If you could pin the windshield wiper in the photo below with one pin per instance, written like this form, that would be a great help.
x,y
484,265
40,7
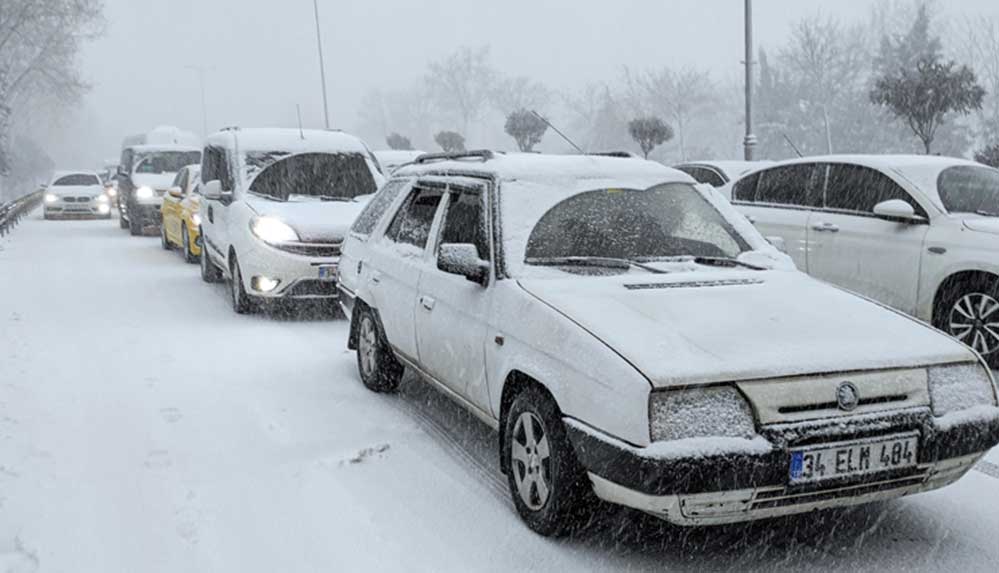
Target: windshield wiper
x,y
337,199
713,262
610,262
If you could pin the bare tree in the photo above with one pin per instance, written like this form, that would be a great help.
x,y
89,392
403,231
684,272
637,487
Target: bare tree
x,y
980,48
519,92
462,83
679,95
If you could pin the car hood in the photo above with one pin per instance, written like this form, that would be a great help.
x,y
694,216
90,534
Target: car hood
x,y
75,190
326,221
712,326
983,225
154,180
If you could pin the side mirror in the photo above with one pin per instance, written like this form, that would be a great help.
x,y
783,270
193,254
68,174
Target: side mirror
x,y
778,243
463,259
176,192
897,210
212,190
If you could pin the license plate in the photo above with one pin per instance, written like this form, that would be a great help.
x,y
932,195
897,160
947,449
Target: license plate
x,y
327,273
852,459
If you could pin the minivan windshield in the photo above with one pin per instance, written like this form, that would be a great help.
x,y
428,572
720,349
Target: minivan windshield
x,y
166,161
324,176
970,189
663,222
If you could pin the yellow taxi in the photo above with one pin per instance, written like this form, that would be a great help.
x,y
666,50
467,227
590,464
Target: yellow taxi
x,y
181,220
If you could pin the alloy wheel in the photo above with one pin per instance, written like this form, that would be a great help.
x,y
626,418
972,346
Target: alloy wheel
x,y
530,462
974,320
367,346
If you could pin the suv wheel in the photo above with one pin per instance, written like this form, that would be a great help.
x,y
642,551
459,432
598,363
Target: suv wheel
x,y
241,302
549,487
209,272
134,225
185,239
164,241
379,369
971,315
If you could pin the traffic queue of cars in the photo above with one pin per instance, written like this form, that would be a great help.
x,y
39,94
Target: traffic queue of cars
x,y
630,335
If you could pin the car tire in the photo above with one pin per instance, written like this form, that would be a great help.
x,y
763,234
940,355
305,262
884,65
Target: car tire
x,y
135,226
164,241
380,370
971,315
209,272
185,239
241,302
549,487
122,221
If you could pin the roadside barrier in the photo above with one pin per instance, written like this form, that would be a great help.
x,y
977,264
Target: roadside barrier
x,y
11,213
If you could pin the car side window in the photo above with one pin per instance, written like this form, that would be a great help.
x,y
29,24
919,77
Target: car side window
x,y
858,189
376,208
787,185
179,180
465,222
412,222
710,177
215,167
745,189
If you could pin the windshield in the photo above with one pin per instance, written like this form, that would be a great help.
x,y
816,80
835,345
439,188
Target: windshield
x,y
166,161
671,220
333,176
77,180
970,189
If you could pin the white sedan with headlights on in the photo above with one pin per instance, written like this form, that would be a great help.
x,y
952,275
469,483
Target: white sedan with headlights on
x,y
276,206
76,194
631,336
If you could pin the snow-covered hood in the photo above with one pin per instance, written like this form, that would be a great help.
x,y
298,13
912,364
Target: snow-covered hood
x,y
983,225
325,221
76,190
158,181
732,325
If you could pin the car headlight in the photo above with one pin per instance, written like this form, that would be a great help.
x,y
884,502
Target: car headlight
x,y
959,387
718,411
103,198
144,192
196,219
111,191
272,230
50,198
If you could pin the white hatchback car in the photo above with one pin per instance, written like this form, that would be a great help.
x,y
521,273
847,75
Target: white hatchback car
x,y
76,194
916,233
277,204
630,335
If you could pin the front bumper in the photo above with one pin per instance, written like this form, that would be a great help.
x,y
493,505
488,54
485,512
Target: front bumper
x,y
736,487
91,209
298,275
146,213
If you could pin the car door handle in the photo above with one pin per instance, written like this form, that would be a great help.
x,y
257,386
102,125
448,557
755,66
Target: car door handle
x,y
427,302
825,228
376,277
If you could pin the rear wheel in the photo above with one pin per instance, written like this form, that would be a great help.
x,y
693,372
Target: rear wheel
x,y
185,239
241,302
549,487
971,315
379,369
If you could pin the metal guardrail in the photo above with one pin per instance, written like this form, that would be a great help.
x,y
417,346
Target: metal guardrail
x,y
11,213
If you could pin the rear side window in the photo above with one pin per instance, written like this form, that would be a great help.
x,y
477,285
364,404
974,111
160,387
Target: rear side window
x,y
376,208
859,189
787,185
412,223
77,180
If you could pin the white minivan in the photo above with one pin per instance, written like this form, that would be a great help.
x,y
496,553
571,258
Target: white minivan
x,y
917,233
277,204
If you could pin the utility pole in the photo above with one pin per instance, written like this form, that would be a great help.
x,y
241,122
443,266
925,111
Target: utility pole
x,y
750,142
204,106
322,65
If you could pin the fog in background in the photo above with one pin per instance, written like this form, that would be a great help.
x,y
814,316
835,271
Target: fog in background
x,y
259,56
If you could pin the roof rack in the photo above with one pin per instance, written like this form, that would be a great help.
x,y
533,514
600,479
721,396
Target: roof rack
x,y
483,154
230,128
620,154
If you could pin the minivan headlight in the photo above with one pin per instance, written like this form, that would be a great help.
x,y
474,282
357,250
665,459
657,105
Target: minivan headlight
x,y
272,230
960,386
717,411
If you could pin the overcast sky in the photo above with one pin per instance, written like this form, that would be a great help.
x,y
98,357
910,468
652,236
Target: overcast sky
x,y
260,57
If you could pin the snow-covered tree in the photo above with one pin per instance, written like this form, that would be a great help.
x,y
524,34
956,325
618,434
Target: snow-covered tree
x,y
649,133
989,156
398,141
525,128
450,141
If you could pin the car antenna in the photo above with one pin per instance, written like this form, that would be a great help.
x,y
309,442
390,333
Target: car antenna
x,y
791,143
556,130
301,132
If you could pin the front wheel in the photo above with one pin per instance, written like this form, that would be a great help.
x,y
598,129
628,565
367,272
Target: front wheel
x,y
209,272
241,302
164,241
134,224
185,239
380,370
549,487
971,315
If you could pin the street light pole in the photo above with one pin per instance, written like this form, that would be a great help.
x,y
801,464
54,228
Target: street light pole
x,y
322,64
750,142
204,105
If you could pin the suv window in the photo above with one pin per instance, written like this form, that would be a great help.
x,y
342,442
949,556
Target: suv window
x,y
786,185
859,189
465,222
376,208
412,223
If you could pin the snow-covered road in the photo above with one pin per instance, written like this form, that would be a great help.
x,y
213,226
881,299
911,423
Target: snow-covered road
x,y
145,427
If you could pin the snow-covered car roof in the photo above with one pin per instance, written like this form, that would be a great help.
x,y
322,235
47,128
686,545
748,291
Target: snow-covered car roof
x,y
65,172
156,147
288,140
922,171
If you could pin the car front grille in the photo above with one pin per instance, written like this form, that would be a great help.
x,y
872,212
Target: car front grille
x,y
312,288
324,250
69,199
